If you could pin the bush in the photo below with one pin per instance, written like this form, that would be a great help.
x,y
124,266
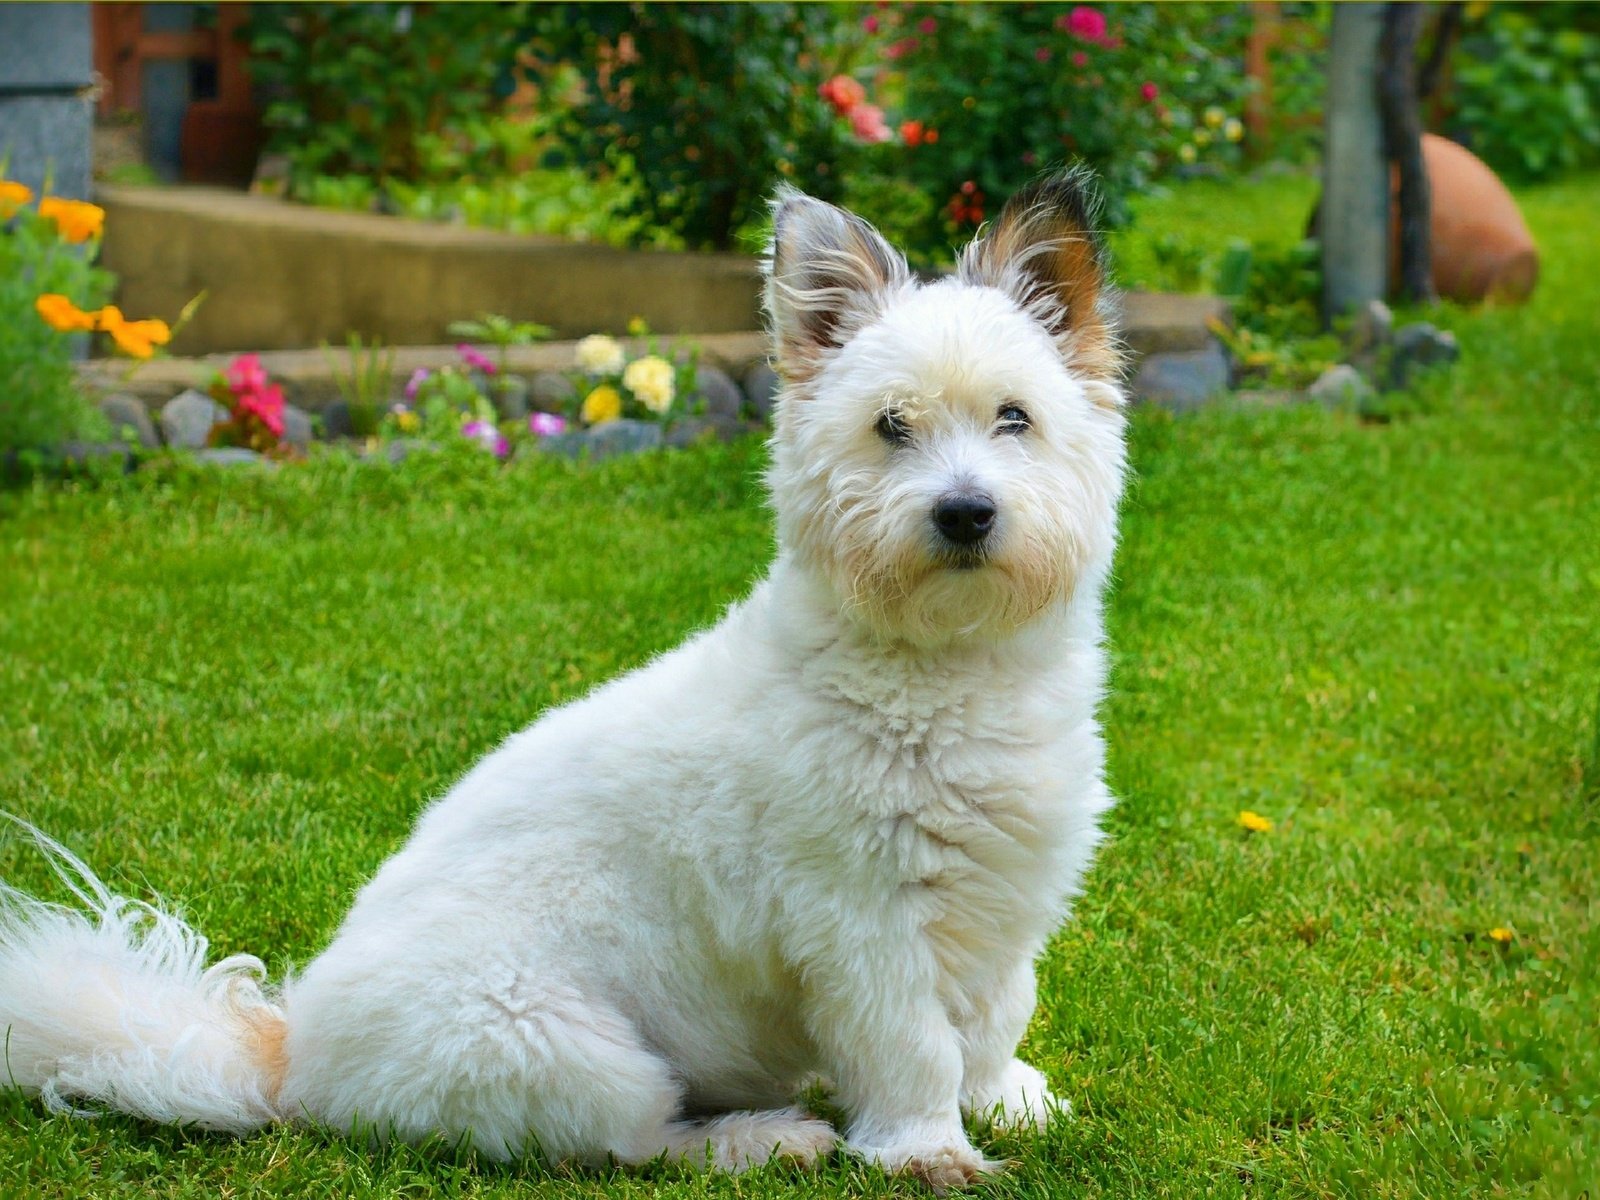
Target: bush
x,y
1527,95
712,103
359,89
40,403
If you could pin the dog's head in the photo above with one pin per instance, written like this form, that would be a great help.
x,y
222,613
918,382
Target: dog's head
x,y
949,456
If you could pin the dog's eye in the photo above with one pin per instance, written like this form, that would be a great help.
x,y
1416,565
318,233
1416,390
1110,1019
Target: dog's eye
x,y
892,429
1012,419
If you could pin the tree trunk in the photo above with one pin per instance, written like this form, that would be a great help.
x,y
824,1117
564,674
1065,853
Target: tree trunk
x,y
1402,143
1355,177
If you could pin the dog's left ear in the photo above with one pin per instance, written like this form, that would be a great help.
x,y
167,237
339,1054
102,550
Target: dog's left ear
x,y
828,274
1046,253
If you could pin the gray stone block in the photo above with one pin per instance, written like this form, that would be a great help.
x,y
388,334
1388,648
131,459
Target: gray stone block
x,y
231,456
606,441
1420,345
125,413
715,394
45,47
691,431
297,427
552,392
187,418
1182,380
761,389
1341,384
46,141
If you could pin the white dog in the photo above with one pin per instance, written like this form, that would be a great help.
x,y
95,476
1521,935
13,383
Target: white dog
x,y
823,840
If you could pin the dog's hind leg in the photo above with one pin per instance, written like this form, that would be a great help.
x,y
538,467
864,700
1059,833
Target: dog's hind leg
x,y
738,1140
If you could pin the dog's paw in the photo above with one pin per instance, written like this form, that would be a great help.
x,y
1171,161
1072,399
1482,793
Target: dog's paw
x,y
943,1167
1019,1099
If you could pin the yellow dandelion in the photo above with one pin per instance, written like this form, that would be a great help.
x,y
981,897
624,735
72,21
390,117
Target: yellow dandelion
x,y
1501,934
1255,822
601,405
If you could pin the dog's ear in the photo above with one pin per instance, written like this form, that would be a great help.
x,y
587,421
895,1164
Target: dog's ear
x,y
1046,253
828,274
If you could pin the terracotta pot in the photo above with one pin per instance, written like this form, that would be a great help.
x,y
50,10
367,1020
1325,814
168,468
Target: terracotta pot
x,y
1481,246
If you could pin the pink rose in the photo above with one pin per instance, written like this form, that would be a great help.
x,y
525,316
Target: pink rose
x,y
1149,91
927,25
1087,24
867,123
266,405
870,24
1080,59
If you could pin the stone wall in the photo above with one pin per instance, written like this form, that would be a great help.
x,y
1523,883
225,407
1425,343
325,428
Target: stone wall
x,y
45,115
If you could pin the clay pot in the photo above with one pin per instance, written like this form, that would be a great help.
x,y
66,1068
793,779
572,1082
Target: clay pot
x,y
1481,246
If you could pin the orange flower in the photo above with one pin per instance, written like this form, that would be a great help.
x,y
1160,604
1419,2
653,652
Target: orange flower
x,y
77,220
136,338
60,313
12,197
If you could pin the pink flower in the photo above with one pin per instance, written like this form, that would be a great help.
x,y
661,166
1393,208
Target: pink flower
x,y
1087,24
246,374
902,48
870,24
1042,53
265,404
543,424
475,358
843,92
1149,91
414,384
927,25
1080,59
867,123
487,436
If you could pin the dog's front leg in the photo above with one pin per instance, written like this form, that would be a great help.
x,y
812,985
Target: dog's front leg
x,y
996,1083
895,1058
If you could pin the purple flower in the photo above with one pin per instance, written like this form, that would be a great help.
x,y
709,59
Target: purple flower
x,y
543,424
418,378
487,436
475,359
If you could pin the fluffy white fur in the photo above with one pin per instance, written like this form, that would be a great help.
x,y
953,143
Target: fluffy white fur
x,y
822,840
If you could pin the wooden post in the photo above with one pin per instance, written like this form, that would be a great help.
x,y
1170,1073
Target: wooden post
x,y
1402,143
1355,176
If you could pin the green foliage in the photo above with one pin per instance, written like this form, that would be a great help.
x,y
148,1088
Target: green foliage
x,y
1528,88
41,404
357,89
365,383
500,332
713,103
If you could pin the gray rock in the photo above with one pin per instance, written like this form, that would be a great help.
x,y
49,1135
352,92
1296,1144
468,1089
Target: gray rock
x,y
187,418
510,396
761,389
691,431
297,427
1182,380
551,392
231,456
715,394
1419,345
130,420
1341,384
605,441
1373,328
337,421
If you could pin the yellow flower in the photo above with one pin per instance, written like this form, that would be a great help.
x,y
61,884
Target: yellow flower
x,y
137,339
1501,934
651,379
1255,822
76,220
598,354
1233,130
60,313
601,405
1202,137
1215,116
637,327
1186,152
12,197
409,422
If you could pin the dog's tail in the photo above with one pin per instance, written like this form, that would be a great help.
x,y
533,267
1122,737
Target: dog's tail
x,y
112,1006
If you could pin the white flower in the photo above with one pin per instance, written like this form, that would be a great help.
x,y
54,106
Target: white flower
x,y
1233,130
651,381
598,354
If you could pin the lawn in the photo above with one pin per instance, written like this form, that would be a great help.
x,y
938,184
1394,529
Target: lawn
x,y
236,691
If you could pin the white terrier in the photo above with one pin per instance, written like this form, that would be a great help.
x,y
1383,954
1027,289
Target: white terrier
x,y
824,840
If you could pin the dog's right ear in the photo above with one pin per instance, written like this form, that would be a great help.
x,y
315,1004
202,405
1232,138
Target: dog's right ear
x,y
828,274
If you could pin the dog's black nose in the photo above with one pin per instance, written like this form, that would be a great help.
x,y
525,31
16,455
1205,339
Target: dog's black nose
x,y
964,518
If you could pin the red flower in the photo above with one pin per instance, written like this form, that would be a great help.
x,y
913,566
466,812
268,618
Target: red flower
x,y
1042,53
968,188
1080,59
911,133
927,25
1087,24
870,24
931,136
246,374
266,405
902,48
1149,91
843,92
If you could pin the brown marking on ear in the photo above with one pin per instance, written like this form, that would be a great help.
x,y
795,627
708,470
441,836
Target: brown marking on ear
x,y
1046,253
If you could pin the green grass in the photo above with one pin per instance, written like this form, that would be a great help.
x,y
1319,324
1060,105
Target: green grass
x,y
237,691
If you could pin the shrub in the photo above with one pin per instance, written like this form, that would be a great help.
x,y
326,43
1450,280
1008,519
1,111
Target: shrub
x,y
49,286
358,89
713,103
1527,94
